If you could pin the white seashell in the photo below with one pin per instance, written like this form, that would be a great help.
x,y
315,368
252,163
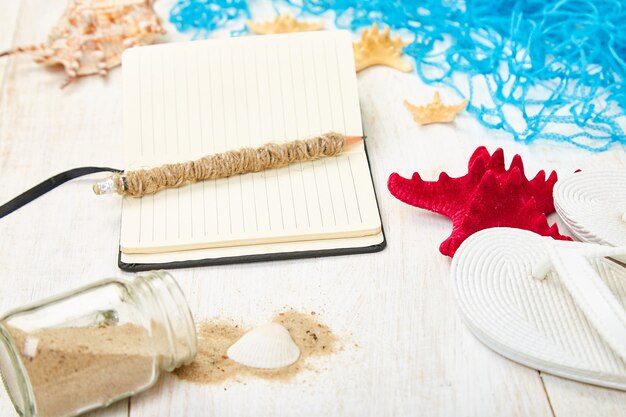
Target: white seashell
x,y
268,346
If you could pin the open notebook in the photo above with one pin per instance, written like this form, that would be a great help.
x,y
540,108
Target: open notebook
x,y
186,100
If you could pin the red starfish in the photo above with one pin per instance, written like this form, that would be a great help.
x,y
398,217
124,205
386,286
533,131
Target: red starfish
x,y
489,195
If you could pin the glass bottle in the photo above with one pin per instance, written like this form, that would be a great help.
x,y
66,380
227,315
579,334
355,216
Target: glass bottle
x,y
90,347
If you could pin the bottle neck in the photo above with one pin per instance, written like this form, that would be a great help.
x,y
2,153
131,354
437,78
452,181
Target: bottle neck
x,y
171,324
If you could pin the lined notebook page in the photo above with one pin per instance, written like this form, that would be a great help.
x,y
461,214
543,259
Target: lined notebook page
x,y
186,100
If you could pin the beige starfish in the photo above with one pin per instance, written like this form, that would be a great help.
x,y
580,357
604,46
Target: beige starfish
x,y
435,111
285,23
377,48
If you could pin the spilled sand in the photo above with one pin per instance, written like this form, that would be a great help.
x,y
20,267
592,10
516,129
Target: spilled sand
x,y
212,365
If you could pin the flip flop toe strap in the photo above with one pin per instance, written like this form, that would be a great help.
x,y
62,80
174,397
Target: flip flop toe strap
x,y
603,310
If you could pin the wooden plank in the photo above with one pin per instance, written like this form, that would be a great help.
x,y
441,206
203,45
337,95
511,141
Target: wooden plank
x,y
8,24
570,398
63,240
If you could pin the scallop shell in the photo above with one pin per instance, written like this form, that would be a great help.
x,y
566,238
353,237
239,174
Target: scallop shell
x,y
268,347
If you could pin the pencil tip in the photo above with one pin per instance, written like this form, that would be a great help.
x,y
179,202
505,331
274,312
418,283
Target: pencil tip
x,y
349,140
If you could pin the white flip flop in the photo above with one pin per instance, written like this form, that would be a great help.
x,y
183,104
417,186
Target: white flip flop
x,y
556,306
593,206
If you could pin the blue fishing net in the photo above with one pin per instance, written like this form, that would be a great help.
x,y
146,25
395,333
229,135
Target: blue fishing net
x,y
204,16
537,69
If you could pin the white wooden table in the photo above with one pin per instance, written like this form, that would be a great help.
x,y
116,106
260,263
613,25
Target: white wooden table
x,y
414,355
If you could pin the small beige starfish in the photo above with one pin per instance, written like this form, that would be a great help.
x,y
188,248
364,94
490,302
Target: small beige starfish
x,y
435,111
285,23
377,48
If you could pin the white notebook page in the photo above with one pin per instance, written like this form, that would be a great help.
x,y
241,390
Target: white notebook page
x,y
185,100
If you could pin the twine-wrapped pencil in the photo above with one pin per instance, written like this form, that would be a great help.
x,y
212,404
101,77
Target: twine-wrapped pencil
x,y
221,165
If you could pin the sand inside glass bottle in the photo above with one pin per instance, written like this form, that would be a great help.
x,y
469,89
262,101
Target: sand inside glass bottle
x,y
76,368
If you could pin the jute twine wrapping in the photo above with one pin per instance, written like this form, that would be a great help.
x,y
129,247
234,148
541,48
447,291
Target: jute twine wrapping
x,y
149,181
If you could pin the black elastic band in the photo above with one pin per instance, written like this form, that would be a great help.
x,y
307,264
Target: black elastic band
x,y
47,185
